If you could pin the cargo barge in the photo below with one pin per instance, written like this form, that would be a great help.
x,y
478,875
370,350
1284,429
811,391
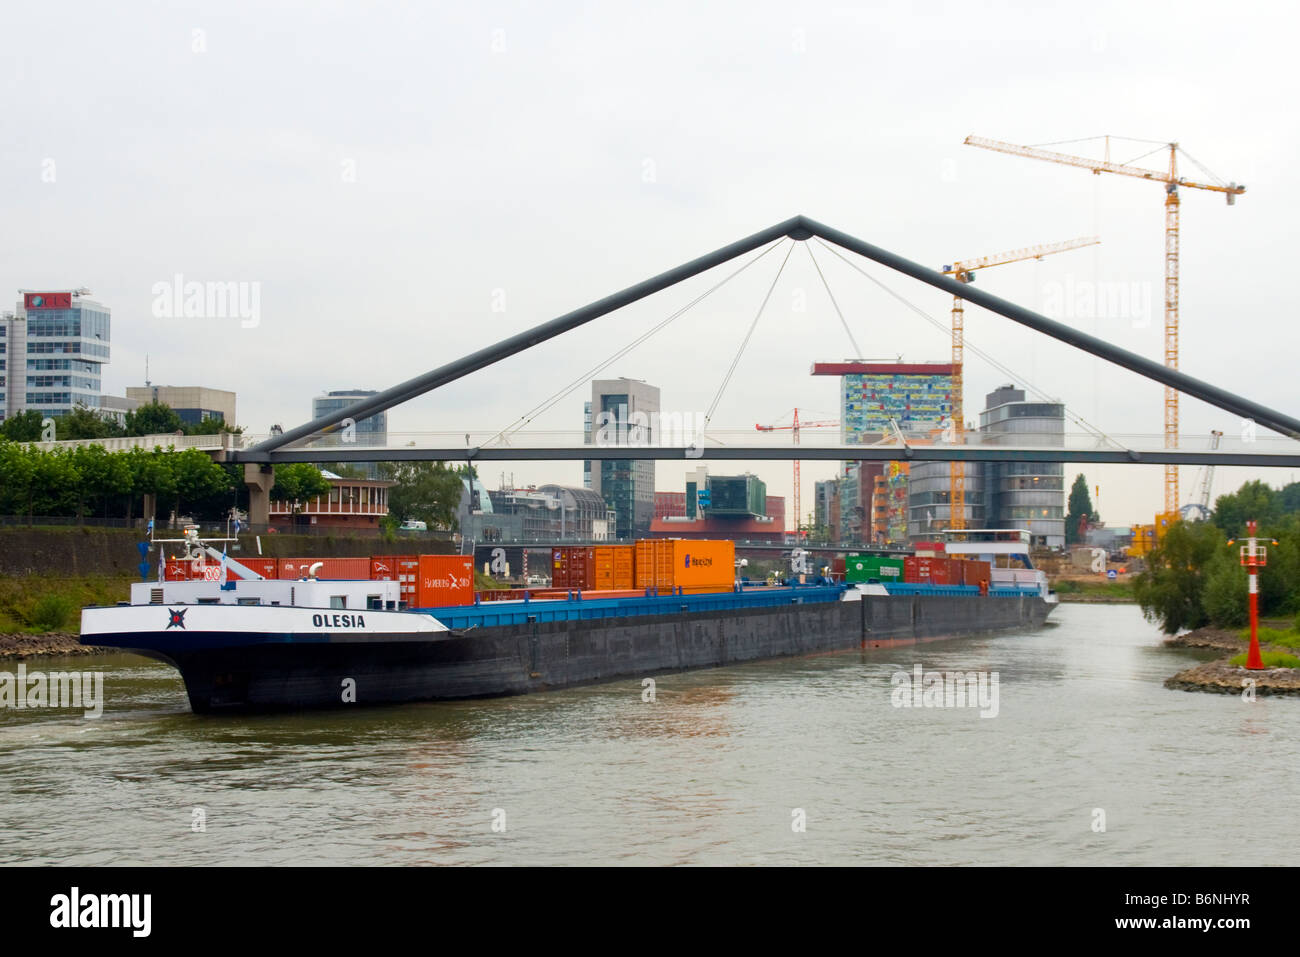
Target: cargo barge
x,y
244,641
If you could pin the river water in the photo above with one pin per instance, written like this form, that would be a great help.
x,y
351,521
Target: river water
x,y
796,761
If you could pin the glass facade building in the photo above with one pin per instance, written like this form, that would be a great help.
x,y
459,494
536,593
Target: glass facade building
x,y
624,413
369,432
1028,495
52,353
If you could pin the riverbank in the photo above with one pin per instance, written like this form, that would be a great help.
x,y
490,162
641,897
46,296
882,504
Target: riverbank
x,y
1092,590
1221,676
53,644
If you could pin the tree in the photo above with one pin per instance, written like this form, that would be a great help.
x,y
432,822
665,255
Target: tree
x,y
1224,598
1254,500
153,418
428,492
1080,506
104,476
1289,498
297,482
197,478
1170,589
151,474
84,423
17,472
23,427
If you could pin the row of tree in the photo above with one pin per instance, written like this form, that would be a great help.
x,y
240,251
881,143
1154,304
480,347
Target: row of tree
x,y
151,418
91,481
1195,578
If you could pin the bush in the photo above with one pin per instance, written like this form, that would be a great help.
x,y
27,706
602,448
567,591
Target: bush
x,y
51,612
1224,598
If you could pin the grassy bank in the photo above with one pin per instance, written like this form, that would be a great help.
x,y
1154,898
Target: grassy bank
x,y
1073,589
40,605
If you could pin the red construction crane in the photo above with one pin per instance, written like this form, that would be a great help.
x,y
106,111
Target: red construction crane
x,y
794,428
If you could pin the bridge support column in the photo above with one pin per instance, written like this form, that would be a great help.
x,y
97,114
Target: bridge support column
x,y
259,479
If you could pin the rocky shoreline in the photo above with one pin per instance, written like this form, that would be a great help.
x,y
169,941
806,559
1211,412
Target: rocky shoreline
x,y
45,646
1220,677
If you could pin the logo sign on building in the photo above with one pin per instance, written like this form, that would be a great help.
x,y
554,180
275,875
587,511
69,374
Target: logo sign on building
x,y
47,300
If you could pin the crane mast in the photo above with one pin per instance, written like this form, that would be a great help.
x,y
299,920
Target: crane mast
x,y
965,272
1172,181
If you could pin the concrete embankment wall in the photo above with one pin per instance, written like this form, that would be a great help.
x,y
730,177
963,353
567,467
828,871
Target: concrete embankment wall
x,y
67,552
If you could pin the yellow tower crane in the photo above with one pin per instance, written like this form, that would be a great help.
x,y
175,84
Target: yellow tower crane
x,y
1172,182
964,271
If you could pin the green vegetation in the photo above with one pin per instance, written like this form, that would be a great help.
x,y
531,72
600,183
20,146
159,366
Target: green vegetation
x,y
486,582
43,604
1272,659
151,418
1195,577
427,492
1080,507
90,480
1274,636
1116,590
298,482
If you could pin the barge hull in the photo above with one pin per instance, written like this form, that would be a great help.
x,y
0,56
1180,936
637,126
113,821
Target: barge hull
x,y
541,656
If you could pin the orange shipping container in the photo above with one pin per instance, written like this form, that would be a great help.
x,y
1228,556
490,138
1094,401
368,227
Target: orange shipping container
x,y
603,564
624,562
646,550
445,580
710,564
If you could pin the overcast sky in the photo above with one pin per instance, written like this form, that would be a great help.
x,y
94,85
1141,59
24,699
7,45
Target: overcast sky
x,y
410,183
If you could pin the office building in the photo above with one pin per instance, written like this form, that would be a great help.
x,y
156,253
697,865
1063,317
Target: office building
x,y
720,506
193,404
371,431
876,396
52,351
1028,495
624,412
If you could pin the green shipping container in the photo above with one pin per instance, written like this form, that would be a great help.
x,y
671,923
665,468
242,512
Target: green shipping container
x,y
863,568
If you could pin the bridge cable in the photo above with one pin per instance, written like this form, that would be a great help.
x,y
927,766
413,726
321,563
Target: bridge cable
x,y
550,402
943,327
726,380
857,350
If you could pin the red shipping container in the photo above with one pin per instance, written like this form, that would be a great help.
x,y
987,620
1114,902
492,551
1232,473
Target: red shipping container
x,y
335,569
973,572
573,566
926,570
266,567
445,580
404,569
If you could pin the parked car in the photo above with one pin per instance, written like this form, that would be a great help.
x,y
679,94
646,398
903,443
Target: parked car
x,y
411,525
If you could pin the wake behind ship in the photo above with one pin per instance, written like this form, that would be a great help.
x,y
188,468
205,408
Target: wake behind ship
x,y
245,641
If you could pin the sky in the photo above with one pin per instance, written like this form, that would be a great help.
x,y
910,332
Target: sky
x,y
400,185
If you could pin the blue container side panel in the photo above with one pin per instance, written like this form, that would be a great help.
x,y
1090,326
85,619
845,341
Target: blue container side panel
x,y
496,614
